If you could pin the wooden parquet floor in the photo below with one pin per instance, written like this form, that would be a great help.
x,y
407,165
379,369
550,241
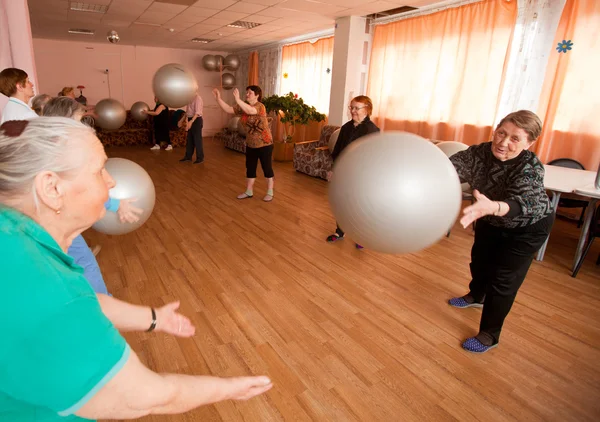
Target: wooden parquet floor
x,y
345,335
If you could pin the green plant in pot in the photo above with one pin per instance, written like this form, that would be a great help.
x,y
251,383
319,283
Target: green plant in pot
x,y
292,111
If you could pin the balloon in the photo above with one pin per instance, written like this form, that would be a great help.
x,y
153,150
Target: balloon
x,y
333,139
113,37
132,182
231,62
394,192
228,80
138,110
241,128
450,147
219,60
209,62
111,114
174,85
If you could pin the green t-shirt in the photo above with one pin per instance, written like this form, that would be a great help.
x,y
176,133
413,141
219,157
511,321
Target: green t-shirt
x,y
57,349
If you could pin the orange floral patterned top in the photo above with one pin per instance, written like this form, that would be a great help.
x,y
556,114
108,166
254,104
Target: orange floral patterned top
x,y
258,133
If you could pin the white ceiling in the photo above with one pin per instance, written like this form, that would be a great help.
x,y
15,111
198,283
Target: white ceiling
x,y
147,22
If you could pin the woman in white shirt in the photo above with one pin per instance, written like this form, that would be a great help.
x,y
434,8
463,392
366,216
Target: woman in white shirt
x,y
15,84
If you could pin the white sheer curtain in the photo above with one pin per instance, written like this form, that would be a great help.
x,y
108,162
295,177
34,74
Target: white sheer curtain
x,y
16,44
537,22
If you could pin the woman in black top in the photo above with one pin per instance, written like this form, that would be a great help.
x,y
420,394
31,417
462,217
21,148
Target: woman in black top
x,y
514,217
361,108
161,125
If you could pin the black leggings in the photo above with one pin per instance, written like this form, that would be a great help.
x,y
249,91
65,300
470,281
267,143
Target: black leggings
x,y
500,260
264,154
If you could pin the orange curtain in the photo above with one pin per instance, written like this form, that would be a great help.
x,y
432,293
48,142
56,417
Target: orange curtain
x,y
570,101
440,75
253,68
306,71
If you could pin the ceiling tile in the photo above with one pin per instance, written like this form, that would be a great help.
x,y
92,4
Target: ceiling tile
x,y
222,4
263,2
232,16
247,8
310,6
260,18
164,7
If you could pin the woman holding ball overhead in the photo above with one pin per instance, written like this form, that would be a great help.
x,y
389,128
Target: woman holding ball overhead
x,y
514,217
259,141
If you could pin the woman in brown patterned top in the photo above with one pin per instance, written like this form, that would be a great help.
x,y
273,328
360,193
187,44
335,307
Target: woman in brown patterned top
x,y
259,141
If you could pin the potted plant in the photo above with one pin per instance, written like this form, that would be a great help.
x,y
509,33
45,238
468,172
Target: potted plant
x,y
291,111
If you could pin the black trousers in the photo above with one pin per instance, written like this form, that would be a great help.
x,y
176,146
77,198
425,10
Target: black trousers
x,y
265,155
500,260
194,139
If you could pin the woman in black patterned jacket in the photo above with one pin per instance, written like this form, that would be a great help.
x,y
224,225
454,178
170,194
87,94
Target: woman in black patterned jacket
x,y
514,217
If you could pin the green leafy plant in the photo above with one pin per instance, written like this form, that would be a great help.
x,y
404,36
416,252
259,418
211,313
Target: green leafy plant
x,y
292,111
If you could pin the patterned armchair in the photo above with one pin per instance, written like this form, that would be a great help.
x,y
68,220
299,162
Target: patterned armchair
x,y
313,157
234,140
135,132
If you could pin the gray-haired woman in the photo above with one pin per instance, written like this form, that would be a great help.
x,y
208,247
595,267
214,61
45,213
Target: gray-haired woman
x,y
62,352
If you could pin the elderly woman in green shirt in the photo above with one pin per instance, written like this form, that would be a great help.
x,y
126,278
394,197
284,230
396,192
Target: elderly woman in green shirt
x,y
63,357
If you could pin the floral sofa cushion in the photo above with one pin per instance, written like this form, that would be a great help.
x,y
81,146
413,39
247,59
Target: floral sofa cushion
x,y
313,157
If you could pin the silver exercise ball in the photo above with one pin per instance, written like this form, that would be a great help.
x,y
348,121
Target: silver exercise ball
x,y
333,139
228,80
220,62
174,85
242,128
233,124
113,37
111,114
139,110
232,62
209,62
450,147
132,182
394,192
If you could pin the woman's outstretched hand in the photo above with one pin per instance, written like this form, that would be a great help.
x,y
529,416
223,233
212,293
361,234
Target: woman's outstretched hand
x,y
216,93
482,207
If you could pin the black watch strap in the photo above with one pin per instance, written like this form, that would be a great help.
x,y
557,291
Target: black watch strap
x,y
153,325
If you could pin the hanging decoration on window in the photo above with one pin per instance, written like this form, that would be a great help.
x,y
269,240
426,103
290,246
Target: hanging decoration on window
x,y
285,75
328,70
564,46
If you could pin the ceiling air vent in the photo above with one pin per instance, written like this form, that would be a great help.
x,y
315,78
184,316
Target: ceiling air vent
x,y
79,6
242,24
202,40
81,31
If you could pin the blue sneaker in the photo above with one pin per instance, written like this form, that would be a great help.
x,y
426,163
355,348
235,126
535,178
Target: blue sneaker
x,y
460,302
475,346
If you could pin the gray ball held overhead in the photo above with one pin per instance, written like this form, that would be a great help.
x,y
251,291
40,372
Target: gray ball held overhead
x,y
394,192
174,85
132,182
228,80
111,114
209,62
232,62
139,111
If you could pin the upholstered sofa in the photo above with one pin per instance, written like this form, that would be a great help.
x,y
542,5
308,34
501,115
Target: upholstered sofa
x,y
234,138
135,132
313,157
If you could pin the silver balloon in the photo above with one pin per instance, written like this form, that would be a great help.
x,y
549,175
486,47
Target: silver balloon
x,y
450,147
232,62
394,192
139,110
241,128
174,85
113,37
233,124
228,80
209,62
132,182
111,114
333,140
220,61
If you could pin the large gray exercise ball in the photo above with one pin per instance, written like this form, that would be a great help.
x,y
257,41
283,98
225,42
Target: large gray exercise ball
x,y
450,147
333,140
132,181
209,62
174,85
111,114
220,62
233,124
394,192
228,81
232,62
139,110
